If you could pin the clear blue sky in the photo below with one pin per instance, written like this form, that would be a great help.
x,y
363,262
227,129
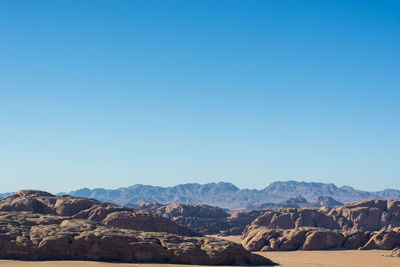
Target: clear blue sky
x,y
114,93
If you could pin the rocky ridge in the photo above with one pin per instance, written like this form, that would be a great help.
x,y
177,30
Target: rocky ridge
x,y
298,202
373,224
83,208
33,236
308,238
370,215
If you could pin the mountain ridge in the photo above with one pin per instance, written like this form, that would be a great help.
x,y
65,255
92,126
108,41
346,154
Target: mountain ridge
x,y
227,195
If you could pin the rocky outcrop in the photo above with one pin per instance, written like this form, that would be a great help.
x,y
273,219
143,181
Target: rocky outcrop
x,y
298,202
238,221
150,206
395,252
203,219
325,201
383,239
290,218
370,215
33,236
372,224
309,238
90,209
191,210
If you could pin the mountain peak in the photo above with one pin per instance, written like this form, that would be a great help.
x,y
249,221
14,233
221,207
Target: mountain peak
x,y
227,195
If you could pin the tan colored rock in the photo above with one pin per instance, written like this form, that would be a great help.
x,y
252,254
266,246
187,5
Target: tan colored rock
x,y
371,215
258,238
384,239
143,221
91,209
309,238
292,240
355,239
395,252
323,239
33,236
203,219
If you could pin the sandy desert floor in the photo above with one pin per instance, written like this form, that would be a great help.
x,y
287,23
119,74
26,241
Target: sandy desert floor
x,y
347,258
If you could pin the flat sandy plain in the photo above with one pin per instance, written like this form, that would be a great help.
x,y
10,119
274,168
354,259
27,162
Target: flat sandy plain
x,y
330,258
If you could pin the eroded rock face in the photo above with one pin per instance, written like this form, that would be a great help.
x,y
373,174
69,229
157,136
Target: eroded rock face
x,y
371,215
93,210
383,239
203,219
309,238
395,252
289,218
327,201
372,224
33,236
323,239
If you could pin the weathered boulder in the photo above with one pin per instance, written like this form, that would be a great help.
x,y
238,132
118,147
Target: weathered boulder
x,y
322,239
355,239
33,236
266,239
395,252
384,239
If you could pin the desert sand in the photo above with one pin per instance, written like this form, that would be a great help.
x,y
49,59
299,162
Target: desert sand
x,y
346,258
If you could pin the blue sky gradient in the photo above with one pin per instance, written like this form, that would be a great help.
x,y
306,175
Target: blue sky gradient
x,y
114,93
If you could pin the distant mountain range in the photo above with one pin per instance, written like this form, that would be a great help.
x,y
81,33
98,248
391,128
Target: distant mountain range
x,y
5,194
227,195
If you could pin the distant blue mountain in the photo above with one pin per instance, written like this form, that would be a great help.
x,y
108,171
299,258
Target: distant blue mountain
x,y
227,195
5,194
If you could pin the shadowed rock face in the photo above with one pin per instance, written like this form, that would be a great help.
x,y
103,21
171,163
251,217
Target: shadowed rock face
x,y
90,209
370,215
307,238
33,236
203,219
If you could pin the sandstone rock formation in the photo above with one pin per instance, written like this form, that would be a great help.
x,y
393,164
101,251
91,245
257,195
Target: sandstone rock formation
x,y
372,224
370,215
309,238
91,209
298,202
203,219
395,252
33,236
